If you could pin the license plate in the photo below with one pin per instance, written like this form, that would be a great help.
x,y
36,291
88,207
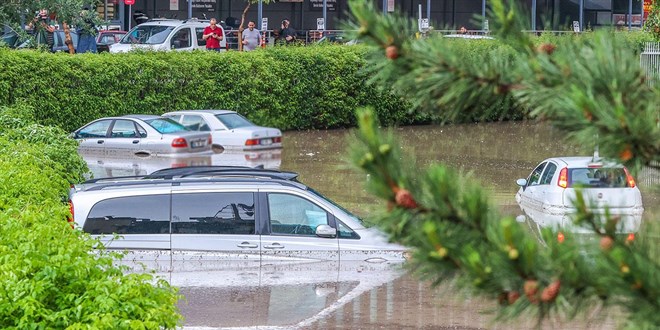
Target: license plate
x,y
197,143
266,142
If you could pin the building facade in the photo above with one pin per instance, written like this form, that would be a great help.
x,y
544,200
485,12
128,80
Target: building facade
x,y
442,14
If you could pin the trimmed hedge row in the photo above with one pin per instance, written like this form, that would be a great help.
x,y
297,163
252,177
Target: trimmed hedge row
x,y
49,279
286,87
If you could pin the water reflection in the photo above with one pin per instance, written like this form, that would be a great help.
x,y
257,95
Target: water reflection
x,y
103,165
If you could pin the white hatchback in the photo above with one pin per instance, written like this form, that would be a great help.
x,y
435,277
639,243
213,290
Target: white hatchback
x,y
230,130
550,188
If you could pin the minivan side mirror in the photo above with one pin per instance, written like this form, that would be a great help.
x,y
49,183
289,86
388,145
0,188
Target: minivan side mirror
x,y
326,231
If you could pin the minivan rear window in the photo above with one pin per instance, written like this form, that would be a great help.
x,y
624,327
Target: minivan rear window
x,y
612,177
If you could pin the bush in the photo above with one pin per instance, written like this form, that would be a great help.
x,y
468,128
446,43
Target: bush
x,y
48,276
286,87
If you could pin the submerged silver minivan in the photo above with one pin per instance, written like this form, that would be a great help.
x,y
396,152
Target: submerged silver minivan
x,y
214,217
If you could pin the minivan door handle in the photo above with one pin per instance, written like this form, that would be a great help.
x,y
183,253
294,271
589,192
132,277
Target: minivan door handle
x,y
136,141
247,245
274,246
99,141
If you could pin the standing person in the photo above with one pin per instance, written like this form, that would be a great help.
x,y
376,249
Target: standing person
x,y
42,29
288,33
213,35
86,33
251,37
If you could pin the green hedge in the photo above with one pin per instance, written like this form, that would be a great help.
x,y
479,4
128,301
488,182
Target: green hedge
x,y
286,87
49,279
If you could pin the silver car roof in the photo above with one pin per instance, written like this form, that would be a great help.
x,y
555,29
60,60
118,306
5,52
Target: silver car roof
x,y
211,111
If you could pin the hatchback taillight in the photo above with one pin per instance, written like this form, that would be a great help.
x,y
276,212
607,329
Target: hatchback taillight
x,y
563,178
629,178
277,139
252,142
179,143
210,140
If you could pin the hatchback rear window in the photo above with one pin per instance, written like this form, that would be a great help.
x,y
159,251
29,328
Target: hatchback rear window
x,y
597,177
166,125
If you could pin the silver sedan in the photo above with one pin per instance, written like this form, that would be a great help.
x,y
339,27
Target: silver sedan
x,y
141,135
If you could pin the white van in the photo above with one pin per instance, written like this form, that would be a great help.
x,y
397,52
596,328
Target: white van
x,y
165,35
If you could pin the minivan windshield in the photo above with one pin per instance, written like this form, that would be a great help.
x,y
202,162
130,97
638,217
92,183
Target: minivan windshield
x,y
166,125
147,35
234,120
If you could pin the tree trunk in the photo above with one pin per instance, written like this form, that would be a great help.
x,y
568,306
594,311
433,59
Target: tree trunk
x,y
240,27
67,38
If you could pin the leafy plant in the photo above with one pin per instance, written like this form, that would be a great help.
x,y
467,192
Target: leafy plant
x,y
593,88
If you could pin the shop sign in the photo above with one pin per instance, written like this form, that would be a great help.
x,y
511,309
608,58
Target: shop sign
x,y
317,5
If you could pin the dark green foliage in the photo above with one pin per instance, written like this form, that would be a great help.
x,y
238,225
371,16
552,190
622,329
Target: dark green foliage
x,y
49,276
285,87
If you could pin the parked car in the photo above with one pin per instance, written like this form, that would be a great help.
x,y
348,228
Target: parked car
x,y
230,130
165,35
105,38
551,186
208,218
141,135
10,39
59,44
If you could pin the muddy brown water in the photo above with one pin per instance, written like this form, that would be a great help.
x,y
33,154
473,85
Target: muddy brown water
x,y
496,154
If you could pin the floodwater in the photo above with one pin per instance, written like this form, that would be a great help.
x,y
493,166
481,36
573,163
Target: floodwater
x,y
381,296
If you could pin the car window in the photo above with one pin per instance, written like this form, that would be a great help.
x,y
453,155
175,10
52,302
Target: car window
x,y
536,175
95,130
123,129
597,177
195,123
200,33
130,215
147,34
548,173
213,213
181,39
293,215
165,125
233,120
107,39
346,232
176,118
142,131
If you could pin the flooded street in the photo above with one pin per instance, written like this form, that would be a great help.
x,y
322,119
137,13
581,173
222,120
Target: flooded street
x,y
371,296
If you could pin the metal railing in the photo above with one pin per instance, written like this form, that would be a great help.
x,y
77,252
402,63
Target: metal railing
x,y
649,59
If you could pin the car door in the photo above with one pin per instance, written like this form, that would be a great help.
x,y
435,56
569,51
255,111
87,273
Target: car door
x,y
142,226
531,195
92,137
181,39
123,137
290,233
548,194
215,231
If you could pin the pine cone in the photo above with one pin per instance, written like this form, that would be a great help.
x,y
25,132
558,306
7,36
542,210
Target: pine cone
x,y
547,48
626,154
551,291
404,199
513,297
606,243
531,288
392,52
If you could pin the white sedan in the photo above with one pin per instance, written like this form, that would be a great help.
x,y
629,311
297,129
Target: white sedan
x,y
550,188
230,130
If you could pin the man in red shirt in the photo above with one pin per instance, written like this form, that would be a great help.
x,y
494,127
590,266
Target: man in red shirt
x,y
213,35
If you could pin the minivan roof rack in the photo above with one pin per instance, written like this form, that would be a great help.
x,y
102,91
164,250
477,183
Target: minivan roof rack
x,y
188,171
116,184
200,171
